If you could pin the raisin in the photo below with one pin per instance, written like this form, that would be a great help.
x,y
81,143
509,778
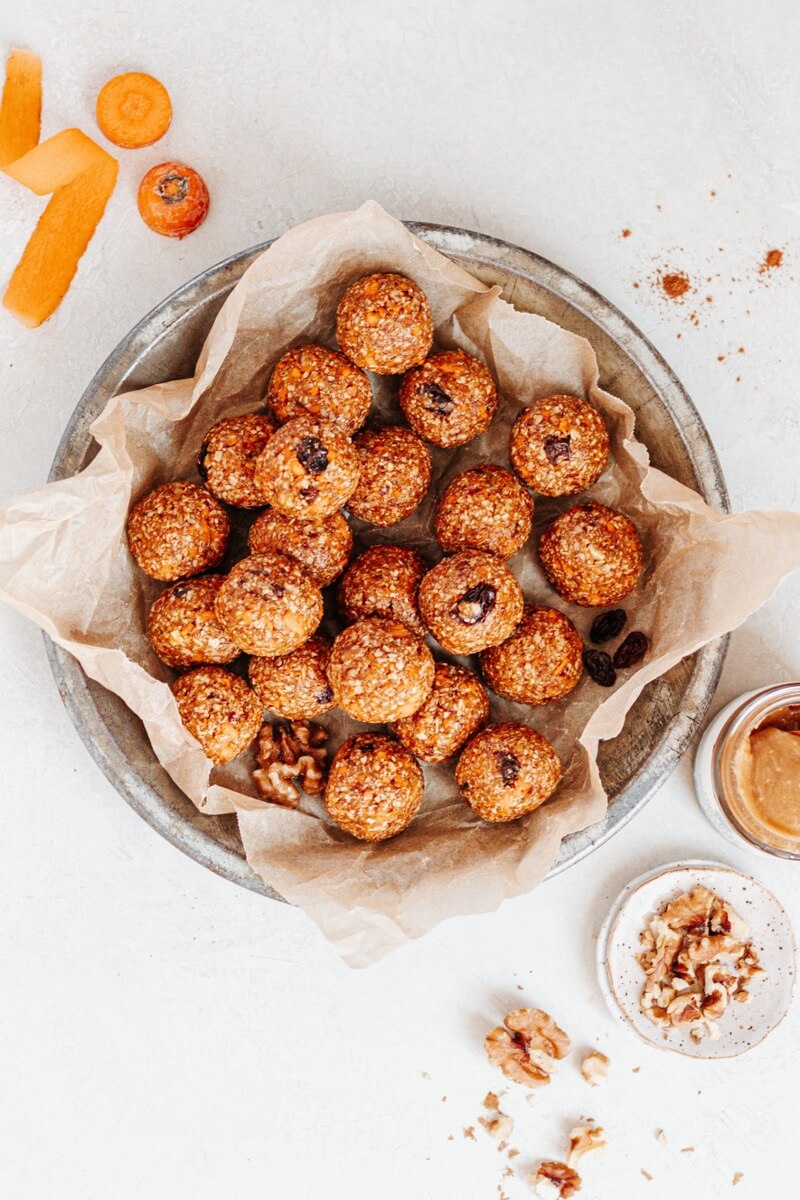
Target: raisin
x,y
309,493
508,766
475,605
325,696
608,625
600,667
312,455
181,590
441,402
202,470
367,747
631,651
557,448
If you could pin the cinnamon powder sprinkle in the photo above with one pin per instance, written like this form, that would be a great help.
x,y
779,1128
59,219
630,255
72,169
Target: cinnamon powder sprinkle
x,y
625,233
675,284
772,259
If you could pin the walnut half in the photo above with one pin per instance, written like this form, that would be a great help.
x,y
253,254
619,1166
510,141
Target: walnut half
x,y
555,1180
289,756
582,1140
526,1046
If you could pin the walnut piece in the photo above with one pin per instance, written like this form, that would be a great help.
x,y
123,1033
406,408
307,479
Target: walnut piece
x,y
499,1127
555,1180
582,1140
594,1068
289,756
526,1046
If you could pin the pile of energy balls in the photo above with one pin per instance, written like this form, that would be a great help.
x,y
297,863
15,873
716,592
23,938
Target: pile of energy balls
x,y
306,462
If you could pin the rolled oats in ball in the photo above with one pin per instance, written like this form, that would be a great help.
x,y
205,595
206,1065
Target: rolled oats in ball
x,y
384,324
506,771
592,555
379,670
177,530
484,508
455,709
182,626
374,787
219,710
295,685
321,383
450,399
267,605
470,601
228,458
322,548
308,469
559,445
395,475
541,660
383,582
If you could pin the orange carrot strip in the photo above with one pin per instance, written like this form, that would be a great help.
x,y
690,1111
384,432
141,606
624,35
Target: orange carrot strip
x,y
55,162
21,106
134,110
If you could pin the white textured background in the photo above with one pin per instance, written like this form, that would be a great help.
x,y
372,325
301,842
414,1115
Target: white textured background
x,y
164,1034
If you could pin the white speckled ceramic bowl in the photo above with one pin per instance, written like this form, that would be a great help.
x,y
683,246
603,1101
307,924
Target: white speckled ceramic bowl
x,y
621,978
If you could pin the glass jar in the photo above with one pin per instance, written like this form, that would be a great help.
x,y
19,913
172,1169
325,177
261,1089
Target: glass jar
x,y
721,765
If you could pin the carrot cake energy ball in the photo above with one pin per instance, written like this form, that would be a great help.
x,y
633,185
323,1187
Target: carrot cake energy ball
x,y
484,508
379,670
383,582
228,458
182,626
559,445
321,383
176,530
592,555
374,787
219,710
470,601
384,324
395,475
295,685
308,469
456,708
322,548
450,399
506,771
541,661
268,605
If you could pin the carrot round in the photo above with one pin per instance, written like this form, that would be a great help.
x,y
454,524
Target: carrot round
x,y
134,110
173,199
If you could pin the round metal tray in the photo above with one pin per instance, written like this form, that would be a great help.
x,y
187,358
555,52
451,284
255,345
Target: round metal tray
x,y
165,345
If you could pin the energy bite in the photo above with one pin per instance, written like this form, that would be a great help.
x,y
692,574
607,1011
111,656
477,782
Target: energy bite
x,y
484,508
506,771
295,685
592,555
395,475
176,530
540,662
470,601
321,383
228,458
559,445
182,626
322,548
450,399
308,469
383,582
455,709
379,670
384,324
267,605
219,710
374,787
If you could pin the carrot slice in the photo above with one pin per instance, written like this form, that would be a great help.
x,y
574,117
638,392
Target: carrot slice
x,y
134,110
21,106
173,199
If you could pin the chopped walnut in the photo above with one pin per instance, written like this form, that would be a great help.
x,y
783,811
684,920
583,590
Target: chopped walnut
x,y
491,1101
499,1127
594,1068
289,756
661,1137
555,1180
737,1178
582,1140
526,1046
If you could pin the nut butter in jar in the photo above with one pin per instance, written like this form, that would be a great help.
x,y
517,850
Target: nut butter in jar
x,y
747,770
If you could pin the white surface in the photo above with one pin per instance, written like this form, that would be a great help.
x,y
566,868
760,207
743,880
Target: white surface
x,y
166,1035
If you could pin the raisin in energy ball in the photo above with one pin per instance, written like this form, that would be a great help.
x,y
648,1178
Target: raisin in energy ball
x,y
384,324
176,530
308,469
228,458
295,685
395,475
450,399
484,508
470,601
374,787
219,710
383,582
559,445
321,383
506,771
182,626
541,661
267,605
592,555
379,670
456,708
322,548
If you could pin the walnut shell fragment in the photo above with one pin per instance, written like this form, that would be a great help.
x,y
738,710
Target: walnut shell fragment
x,y
526,1046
